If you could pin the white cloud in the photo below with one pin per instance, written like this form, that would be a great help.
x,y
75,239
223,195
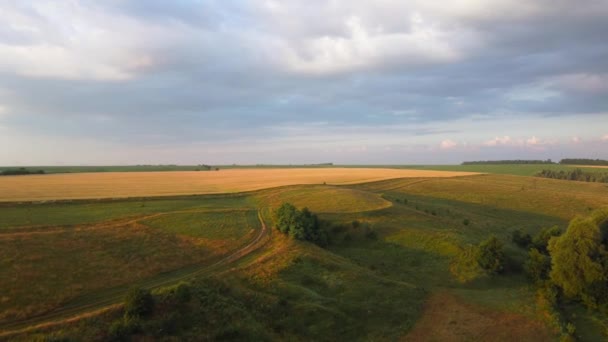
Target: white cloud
x,y
72,41
604,137
367,46
533,141
576,140
447,144
497,141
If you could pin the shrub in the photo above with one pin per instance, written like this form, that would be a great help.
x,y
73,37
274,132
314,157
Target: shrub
x,y
520,239
371,234
465,222
490,255
182,293
541,240
537,266
122,329
139,302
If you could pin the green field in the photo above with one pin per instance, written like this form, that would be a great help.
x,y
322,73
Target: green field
x,y
386,275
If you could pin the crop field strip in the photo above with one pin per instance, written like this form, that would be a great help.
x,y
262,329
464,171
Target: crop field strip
x,y
145,184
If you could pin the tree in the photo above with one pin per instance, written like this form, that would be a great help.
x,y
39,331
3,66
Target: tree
x,y
579,260
541,240
490,255
537,266
300,224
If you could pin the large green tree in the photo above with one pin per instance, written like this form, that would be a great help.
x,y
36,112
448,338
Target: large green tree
x,y
579,259
300,224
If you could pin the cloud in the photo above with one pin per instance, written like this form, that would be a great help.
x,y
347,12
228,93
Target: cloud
x,y
505,140
448,144
604,137
154,74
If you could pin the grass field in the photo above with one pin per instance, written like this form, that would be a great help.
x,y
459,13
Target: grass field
x,y
323,199
45,267
394,284
141,184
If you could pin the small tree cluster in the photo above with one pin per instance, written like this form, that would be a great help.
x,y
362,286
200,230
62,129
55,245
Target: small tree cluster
x,y
490,255
475,260
300,224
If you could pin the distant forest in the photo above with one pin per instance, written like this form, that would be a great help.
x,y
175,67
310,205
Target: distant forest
x,y
575,175
516,161
582,161
20,171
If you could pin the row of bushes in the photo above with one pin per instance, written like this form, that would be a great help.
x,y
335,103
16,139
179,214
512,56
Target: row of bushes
x,y
575,175
516,161
583,161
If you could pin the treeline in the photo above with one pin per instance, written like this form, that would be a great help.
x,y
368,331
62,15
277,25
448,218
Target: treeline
x,y
575,175
515,161
582,161
20,172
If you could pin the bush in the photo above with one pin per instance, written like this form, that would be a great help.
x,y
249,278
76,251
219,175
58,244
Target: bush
x,y
122,329
520,239
139,302
490,255
537,266
541,240
182,293
465,222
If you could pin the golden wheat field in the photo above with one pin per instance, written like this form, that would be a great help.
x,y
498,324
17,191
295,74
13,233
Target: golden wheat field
x,y
141,184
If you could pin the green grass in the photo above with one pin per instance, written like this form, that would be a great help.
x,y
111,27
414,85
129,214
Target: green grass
x,y
322,199
557,198
218,225
81,212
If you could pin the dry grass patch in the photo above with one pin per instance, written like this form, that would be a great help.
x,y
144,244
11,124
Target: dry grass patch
x,y
448,318
142,184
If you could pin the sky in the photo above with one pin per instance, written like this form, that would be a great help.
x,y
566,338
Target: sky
x,y
295,82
